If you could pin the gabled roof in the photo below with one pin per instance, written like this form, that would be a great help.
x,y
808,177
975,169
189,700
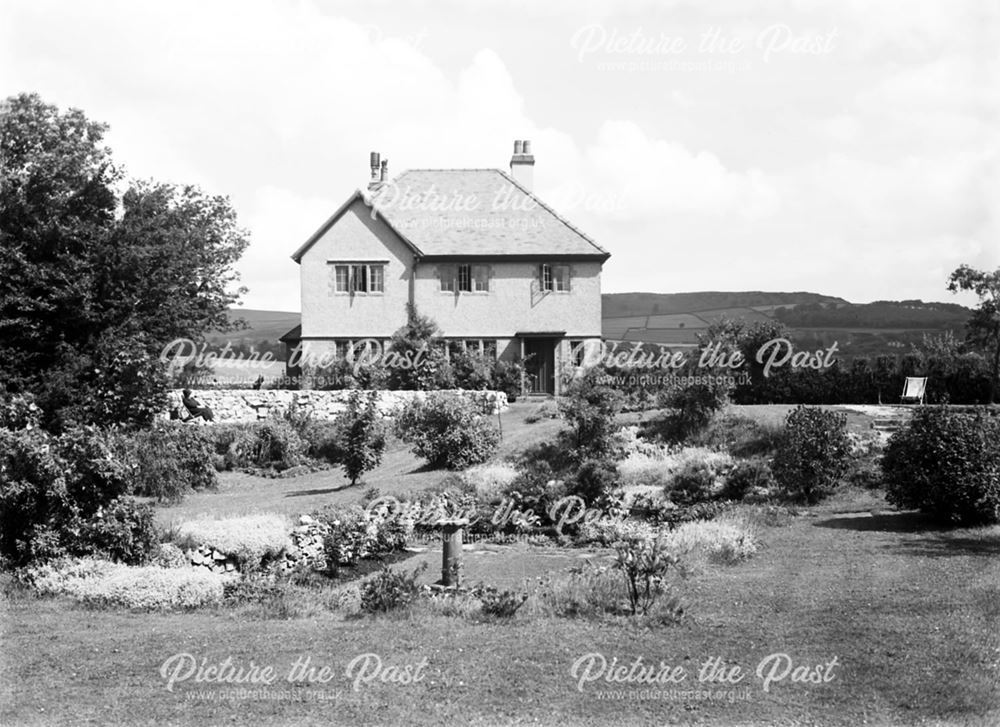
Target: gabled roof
x,y
447,213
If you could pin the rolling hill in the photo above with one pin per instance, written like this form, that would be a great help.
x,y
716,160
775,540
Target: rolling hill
x,y
676,319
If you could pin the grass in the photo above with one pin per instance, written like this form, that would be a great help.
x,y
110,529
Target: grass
x,y
912,614
910,611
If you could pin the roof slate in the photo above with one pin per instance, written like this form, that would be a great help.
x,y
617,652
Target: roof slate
x,y
470,212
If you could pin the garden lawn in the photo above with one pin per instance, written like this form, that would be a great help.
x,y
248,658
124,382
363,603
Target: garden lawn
x,y
912,615
401,472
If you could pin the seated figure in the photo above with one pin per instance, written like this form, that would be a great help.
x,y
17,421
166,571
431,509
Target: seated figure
x,y
196,408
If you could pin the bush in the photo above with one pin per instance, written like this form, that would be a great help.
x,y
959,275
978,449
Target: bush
x,y
740,436
271,444
726,539
390,590
325,441
173,460
123,531
508,377
590,407
19,411
103,583
585,591
364,435
813,455
353,533
747,476
594,479
697,475
250,539
448,431
499,604
946,464
644,563
488,481
696,405
53,488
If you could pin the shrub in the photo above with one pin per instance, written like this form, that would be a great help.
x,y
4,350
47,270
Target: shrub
x,y
271,444
325,441
499,604
813,454
169,555
747,476
364,435
353,533
173,460
472,370
644,563
590,407
594,479
489,480
507,377
726,539
447,431
123,531
249,539
696,405
19,411
390,590
608,531
103,583
946,464
586,591
55,495
697,475
740,436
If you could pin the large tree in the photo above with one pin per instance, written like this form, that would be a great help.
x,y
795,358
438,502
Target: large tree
x,y
96,274
983,327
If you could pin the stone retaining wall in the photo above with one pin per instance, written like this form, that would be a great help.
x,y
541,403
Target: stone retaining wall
x,y
248,405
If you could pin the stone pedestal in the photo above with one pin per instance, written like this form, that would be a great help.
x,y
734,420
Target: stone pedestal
x,y
451,550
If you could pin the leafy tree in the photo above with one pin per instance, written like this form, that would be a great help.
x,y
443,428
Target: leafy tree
x,y
983,328
364,435
95,281
591,408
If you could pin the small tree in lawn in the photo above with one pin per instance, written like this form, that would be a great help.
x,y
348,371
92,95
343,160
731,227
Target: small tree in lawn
x,y
364,435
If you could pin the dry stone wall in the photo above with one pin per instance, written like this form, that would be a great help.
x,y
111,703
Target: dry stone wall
x,y
248,405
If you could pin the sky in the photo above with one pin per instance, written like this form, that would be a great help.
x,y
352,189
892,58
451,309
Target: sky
x,y
848,148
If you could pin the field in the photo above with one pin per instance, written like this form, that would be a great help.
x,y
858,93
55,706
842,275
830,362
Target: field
x,y
910,612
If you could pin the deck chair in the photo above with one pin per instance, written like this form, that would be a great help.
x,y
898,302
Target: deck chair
x,y
913,389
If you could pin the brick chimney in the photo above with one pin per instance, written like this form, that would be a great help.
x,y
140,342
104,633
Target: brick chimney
x,y
522,164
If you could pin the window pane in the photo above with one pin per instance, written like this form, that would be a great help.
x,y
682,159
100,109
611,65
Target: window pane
x,y
546,277
341,273
448,278
490,347
472,346
576,352
359,278
465,278
561,278
481,278
376,279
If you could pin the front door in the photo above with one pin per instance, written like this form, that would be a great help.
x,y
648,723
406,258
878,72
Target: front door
x,y
541,365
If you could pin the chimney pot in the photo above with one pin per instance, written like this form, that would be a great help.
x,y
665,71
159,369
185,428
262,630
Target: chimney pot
x,y
385,170
522,164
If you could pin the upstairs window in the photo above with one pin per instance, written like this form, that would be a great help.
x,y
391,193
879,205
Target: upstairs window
x,y
359,278
554,278
465,278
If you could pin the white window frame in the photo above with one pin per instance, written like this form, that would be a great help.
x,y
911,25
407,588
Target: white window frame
x,y
554,278
359,278
464,278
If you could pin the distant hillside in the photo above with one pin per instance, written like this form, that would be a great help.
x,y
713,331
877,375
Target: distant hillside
x,y
616,305
814,321
264,329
